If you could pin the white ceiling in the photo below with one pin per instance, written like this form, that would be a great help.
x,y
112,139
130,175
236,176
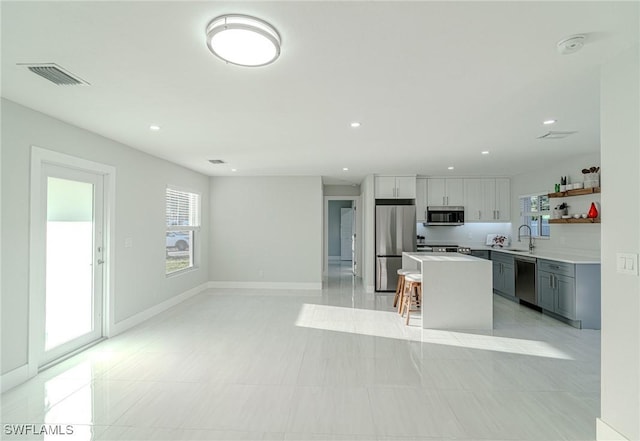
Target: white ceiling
x,y
433,83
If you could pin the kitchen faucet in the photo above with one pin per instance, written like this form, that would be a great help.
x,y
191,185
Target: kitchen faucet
x,y
530,237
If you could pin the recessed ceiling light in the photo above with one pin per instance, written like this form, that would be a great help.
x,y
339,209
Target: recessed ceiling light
x,y
450,168
549,121
345,168
154,127
486,152
234,169
243,40
355,124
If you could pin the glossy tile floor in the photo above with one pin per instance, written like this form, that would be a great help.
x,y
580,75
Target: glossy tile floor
x,y
337,365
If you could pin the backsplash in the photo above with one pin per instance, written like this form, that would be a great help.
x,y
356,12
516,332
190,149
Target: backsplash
x,y
467,234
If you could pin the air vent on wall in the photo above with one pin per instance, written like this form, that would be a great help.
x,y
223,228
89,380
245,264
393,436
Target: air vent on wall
x,y
216,161
55,74
555,135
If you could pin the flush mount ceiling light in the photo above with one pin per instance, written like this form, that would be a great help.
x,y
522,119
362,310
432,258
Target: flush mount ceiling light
x,y
243,40
571,44
549,121
450,168
154,127
345,168
355,124
486,152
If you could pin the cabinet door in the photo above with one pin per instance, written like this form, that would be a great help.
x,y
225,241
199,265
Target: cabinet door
x,y
454,189
566,296
503,199
488,188
546,291
473,200
509,274
406,187
385,187
498,280
435,192
421,199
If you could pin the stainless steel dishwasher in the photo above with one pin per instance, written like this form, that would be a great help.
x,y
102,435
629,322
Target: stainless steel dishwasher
x,y
526,279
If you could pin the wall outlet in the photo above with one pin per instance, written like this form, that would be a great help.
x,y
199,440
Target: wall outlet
x,y
128,242
627,263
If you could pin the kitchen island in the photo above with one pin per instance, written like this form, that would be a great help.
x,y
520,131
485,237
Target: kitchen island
x,y
457,290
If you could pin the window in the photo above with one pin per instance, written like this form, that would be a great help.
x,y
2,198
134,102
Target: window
x,y
183,226
535,212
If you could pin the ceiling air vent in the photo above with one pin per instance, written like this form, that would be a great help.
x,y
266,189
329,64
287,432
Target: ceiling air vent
x,y
55,74
555,135
216,161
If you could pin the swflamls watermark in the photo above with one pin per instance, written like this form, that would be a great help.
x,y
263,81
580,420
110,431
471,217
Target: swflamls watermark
x,y
37,429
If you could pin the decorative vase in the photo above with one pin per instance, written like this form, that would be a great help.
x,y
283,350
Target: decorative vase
x,y
593,211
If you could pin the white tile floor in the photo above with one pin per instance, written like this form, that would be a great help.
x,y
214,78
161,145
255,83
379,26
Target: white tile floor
x,y
335,365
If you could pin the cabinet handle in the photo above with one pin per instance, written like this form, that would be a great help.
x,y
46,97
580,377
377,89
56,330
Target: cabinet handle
x,y
479,215
497,214
447,200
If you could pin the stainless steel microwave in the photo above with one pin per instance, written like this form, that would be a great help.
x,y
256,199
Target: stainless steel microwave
x,y
446,215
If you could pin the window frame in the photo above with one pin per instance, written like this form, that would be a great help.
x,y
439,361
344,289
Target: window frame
x,y
537,234
193,227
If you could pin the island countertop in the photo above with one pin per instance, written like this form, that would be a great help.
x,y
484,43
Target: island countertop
x,y
441,257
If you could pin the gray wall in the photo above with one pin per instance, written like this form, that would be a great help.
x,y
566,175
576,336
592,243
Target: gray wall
x,y
140,281
620,134
266,229
334,218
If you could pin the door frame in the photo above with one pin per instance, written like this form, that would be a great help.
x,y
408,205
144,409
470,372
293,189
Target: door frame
x,y
37,256
357,206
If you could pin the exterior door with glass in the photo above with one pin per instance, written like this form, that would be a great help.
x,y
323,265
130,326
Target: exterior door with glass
x,y
72,218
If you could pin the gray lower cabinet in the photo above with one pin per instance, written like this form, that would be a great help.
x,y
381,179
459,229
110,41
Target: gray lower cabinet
x,y
504,274
482,254
570,291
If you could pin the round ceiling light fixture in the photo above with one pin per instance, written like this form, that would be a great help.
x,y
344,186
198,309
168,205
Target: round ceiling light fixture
x,y
571,44
243,40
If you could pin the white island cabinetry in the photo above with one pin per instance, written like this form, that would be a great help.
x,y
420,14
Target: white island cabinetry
x,y
450,301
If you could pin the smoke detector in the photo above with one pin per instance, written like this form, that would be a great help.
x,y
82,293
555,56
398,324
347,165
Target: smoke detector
x,y
572,44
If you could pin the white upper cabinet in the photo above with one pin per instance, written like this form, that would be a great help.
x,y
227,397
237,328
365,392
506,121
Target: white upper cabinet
x,y
445,191
487,200
503,199
421,199
395,187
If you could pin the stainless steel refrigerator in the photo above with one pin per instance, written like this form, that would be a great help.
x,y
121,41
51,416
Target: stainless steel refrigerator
x,y
395,233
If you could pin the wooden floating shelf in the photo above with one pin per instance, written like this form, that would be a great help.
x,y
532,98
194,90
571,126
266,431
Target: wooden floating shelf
x,y
576,192
575,221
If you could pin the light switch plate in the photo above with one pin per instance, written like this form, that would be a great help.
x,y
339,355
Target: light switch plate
x,y
128,242
627,263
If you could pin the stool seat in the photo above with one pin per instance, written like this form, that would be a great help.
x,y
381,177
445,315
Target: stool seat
x,y
404,272
413,277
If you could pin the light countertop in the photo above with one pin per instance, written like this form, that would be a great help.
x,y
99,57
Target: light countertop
x,y
442,257
550,255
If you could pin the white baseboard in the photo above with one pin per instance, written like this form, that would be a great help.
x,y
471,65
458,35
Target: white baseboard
x,y
605,432
128,323
13,378
266,285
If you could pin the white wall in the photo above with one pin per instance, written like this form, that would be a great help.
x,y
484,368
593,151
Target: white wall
x,y
341,190
578,238
140,281
265,231
368,233
620,385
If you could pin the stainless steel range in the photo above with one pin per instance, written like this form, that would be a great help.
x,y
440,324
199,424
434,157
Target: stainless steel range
x,y
447,248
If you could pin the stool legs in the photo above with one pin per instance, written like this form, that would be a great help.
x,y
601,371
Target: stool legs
x,y
411,296
399,290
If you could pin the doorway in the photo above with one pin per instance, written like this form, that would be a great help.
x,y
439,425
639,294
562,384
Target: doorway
x,y
69,246
341,227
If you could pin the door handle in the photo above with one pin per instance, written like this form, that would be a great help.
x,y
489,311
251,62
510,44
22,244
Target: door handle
x,y
100,261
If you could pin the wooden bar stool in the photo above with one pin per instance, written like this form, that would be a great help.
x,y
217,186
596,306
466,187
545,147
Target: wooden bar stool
x,y
397,300
411,295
